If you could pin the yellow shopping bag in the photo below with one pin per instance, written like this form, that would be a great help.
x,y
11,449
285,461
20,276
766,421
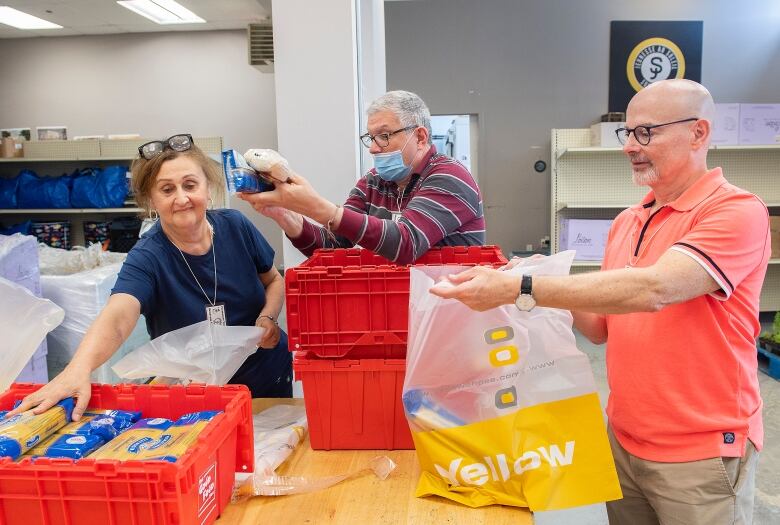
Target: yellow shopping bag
x,y
502,404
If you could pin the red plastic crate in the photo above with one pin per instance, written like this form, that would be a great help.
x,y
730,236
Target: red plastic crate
x,y
352,301
354,403
194,490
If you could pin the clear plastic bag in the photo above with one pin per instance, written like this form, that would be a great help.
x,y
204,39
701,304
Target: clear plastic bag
x,y
24,322
380,466
278,430
202,352
56,261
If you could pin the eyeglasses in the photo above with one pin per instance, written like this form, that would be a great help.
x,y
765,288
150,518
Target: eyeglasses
x,y
150,150
642,133
382,139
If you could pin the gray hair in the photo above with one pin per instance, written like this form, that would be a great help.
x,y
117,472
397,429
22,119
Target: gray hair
x,y
408,107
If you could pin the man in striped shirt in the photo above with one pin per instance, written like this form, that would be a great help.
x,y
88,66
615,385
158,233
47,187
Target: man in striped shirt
x,y
412,200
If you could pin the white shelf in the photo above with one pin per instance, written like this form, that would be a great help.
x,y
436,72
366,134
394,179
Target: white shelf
x,y
57,211
86,159
596,149
595,183
587,264
594,205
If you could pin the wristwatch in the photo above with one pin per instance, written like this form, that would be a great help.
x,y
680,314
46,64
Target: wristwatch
x,y
525,300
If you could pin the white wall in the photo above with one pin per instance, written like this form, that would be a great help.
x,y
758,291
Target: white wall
x,y
318,100
154,84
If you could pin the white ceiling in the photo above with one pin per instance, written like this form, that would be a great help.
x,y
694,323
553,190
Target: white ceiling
x,y
101,17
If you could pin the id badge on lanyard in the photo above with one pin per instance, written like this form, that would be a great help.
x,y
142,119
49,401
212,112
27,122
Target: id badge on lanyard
x,y
216,314
396,216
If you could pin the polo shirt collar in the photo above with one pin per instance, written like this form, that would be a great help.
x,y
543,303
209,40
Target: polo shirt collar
x,y
690,198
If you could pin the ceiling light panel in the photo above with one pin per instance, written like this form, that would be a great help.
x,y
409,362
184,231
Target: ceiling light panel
x,y
162,11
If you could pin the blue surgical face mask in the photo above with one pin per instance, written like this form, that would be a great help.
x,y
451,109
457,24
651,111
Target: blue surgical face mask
x,y
390,166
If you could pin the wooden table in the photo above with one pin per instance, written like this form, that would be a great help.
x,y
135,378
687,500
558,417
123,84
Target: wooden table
x,y
361,500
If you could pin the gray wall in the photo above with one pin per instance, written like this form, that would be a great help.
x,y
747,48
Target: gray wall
x,y
154,84
525,66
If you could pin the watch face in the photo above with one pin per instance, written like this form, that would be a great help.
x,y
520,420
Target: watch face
x,y
525,302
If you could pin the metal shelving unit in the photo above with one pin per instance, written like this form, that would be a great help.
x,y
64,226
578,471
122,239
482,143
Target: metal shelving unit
x,y
56,156
595,183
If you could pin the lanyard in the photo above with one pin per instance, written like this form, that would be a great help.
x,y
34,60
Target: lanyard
x,y
214,254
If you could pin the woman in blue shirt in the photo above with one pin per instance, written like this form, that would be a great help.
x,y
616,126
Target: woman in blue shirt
x,y
193,264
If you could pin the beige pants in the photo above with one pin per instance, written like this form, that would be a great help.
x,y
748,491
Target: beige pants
x,y
708,492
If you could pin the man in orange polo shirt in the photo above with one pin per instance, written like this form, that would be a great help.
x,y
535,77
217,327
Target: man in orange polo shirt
x,y
677,304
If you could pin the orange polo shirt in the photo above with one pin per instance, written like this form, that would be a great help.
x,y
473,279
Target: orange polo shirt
x,y
683,381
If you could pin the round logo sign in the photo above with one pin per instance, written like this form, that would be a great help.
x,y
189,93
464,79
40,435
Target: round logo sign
x,y
652,60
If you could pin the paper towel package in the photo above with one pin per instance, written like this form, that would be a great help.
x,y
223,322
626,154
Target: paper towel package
x,y
759,124
587,237
725,127
19,264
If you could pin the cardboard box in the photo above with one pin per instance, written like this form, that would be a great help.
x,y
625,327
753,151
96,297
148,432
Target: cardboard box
x,y
759,124
774,230
725,127
602,134
587,237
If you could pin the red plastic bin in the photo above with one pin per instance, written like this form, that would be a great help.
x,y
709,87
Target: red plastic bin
x,y
352,301
354,403
194,490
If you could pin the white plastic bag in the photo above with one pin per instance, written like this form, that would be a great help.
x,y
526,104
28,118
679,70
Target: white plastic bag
x,y
502,405
83,295
24,322
202,352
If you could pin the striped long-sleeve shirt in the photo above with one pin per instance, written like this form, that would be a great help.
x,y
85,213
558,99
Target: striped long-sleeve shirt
x,y
440,206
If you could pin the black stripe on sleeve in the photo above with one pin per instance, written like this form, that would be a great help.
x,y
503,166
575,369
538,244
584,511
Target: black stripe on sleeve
x,y
710,261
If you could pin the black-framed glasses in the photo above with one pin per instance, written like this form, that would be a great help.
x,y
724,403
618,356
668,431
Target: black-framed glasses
x,y
180,142
382,139
642,133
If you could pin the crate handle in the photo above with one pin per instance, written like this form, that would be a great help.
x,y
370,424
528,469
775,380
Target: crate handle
x,y
373,338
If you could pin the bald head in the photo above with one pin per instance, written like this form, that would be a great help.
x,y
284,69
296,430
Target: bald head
x,y
677,99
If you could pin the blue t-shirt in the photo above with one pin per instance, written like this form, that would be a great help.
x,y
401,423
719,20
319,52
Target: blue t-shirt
x,y
156,274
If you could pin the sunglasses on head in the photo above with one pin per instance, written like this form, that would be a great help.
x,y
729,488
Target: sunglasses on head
x,y
180,142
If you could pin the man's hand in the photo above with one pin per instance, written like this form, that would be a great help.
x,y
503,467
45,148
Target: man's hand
x,y
70,382
480,288
296,195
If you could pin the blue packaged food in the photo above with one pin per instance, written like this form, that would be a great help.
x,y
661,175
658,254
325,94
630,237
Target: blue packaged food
x,y
240,177
75,446
21,432
427,414
122,419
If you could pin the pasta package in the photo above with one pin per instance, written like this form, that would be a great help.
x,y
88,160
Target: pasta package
x,y
21,432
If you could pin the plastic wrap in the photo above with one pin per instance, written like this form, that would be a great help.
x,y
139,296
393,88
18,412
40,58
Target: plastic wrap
x,y
83,295
380,466
201,352
24,322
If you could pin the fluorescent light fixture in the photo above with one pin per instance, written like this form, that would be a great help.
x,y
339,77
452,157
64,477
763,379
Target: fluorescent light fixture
x,y
162,11
21,20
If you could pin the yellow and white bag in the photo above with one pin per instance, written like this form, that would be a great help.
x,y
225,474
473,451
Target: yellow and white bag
x,y
502,405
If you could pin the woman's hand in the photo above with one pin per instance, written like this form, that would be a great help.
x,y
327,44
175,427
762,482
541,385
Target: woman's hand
x,y
73,381
271,334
